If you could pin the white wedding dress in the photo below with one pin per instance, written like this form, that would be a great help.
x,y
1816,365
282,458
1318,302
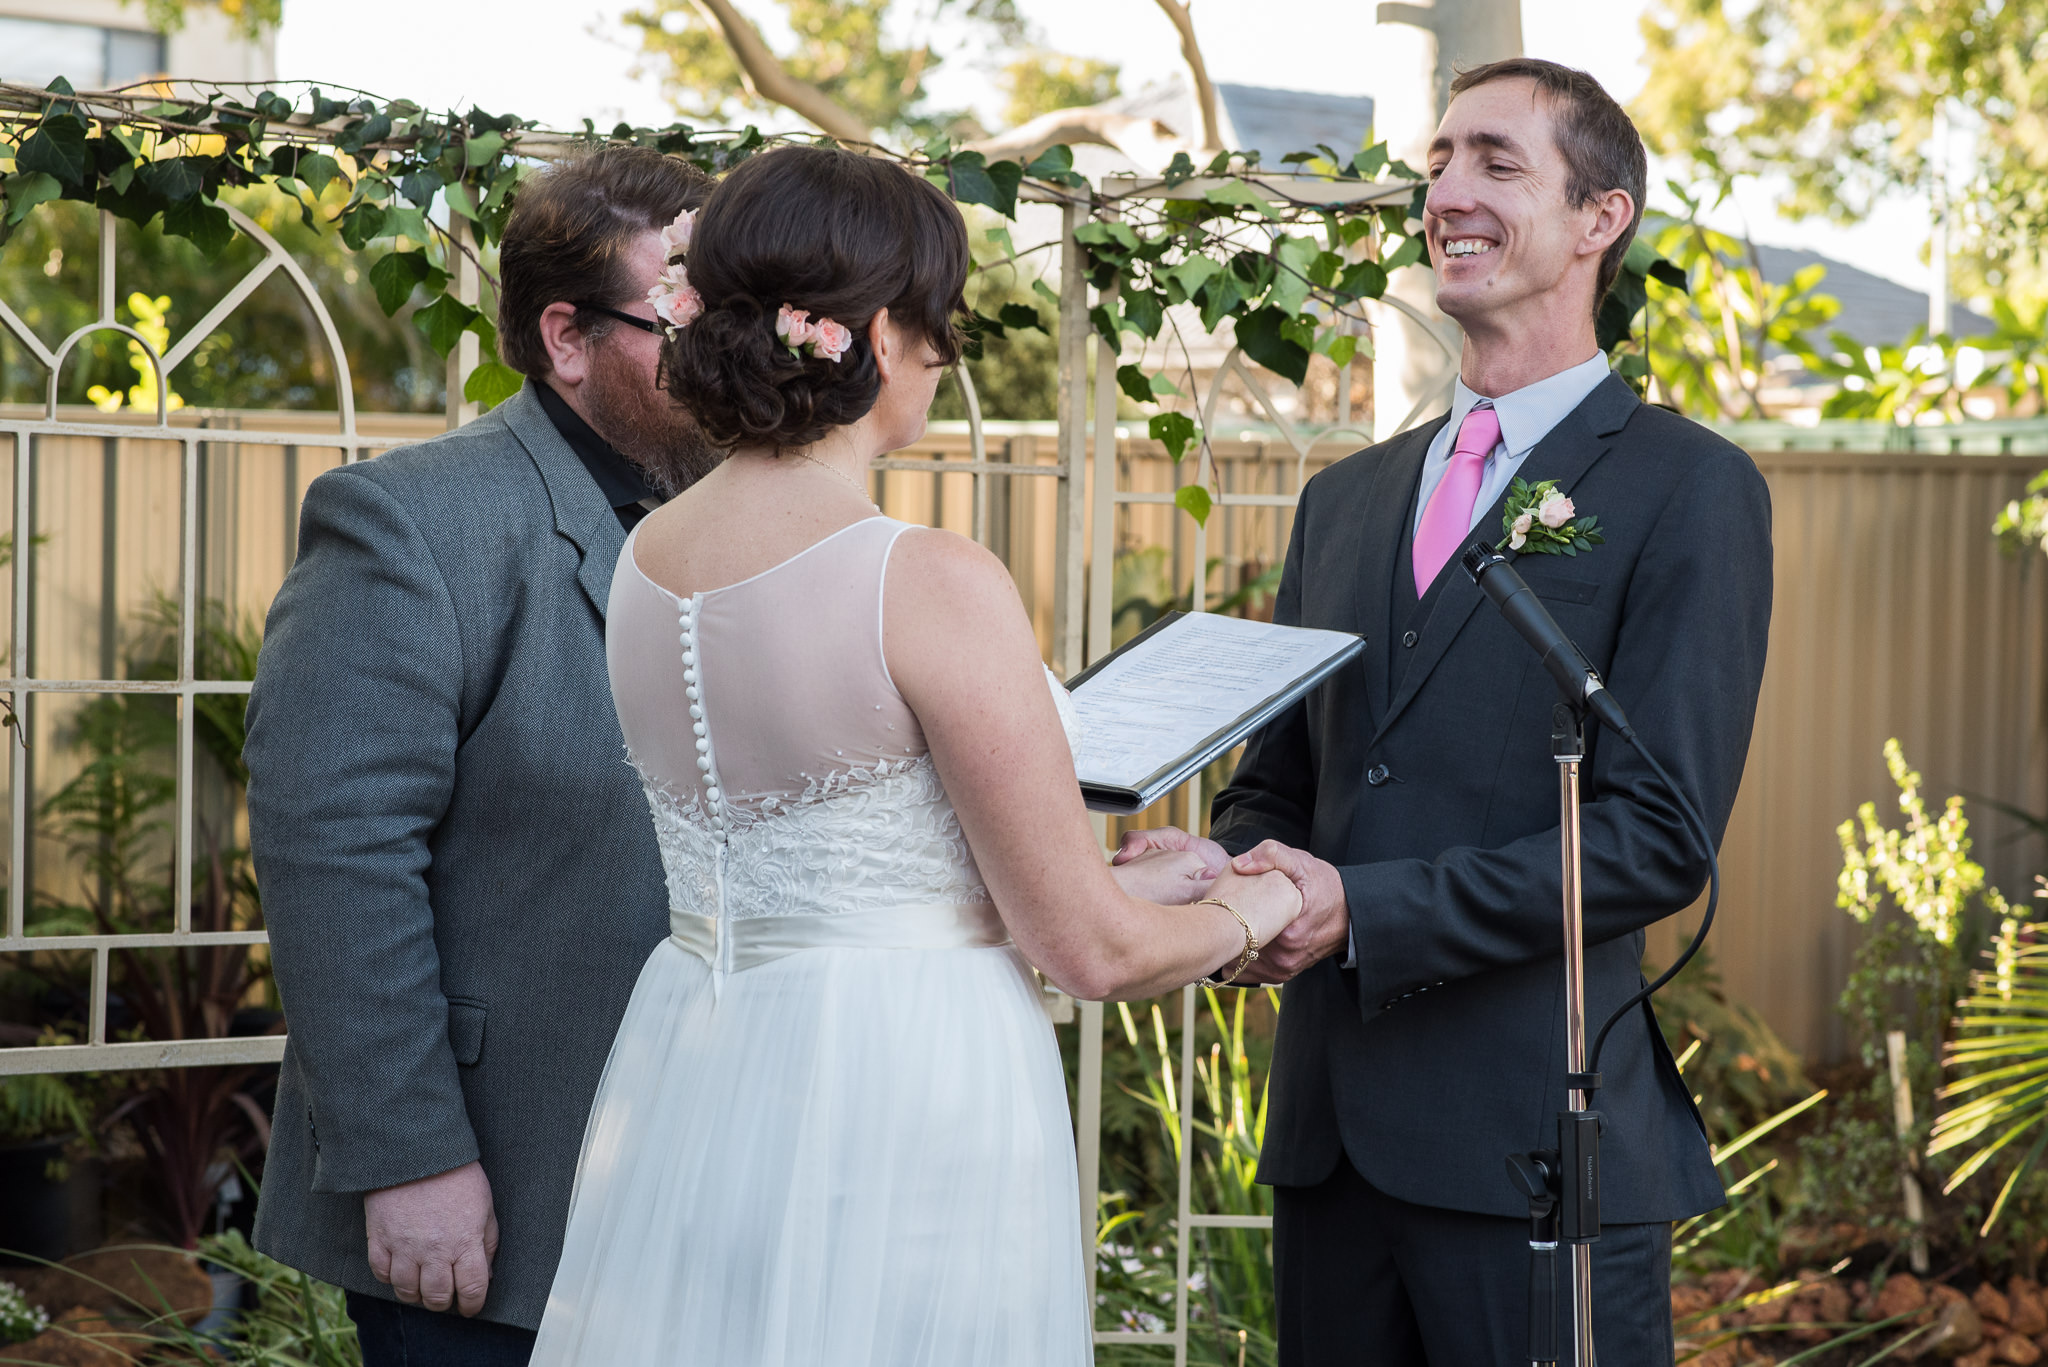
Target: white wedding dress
x,y
834,1128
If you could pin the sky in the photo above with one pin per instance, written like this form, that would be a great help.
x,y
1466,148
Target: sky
x,y
561,61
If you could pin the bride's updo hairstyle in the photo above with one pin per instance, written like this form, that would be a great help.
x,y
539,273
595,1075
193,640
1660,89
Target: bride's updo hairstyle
x,y
839,235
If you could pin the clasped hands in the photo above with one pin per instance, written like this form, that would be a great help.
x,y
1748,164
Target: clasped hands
x,y
1169,865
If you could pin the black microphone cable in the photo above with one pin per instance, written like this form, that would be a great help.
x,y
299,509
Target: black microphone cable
x,y
1581,682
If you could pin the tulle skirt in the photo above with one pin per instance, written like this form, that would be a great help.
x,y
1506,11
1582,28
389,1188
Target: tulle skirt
x,y
840,1158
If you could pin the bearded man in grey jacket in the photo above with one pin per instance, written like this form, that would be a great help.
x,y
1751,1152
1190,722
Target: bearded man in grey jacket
x,y
458,872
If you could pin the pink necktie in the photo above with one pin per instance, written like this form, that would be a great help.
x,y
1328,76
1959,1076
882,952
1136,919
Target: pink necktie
x,y
1447,521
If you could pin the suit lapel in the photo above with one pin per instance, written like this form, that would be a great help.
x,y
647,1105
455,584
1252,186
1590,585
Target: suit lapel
x,y
1389,500
581,513
1565,455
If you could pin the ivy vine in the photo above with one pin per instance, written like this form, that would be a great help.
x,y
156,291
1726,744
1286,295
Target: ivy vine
x,y
395,178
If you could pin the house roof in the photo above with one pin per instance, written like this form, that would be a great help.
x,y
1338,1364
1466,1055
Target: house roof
x,y
1875,311
1272,122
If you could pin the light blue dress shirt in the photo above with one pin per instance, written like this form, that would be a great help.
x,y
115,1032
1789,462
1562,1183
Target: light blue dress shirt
x,y
1526,417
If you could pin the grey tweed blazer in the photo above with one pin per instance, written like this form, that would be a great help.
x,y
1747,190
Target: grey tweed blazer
x,y
458,868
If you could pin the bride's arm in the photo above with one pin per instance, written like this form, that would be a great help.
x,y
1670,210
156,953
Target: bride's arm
x,y
960,648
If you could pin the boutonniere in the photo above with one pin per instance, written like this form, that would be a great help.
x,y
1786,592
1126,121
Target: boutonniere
x,y
1541,520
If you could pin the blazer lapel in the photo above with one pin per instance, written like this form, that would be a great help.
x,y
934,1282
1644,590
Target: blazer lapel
x,y
581,513
1572,447
1389,499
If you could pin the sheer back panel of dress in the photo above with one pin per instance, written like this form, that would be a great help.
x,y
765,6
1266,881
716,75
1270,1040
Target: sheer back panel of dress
x,y
795,693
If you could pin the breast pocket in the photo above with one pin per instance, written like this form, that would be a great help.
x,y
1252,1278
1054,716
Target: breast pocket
x,y
1580,591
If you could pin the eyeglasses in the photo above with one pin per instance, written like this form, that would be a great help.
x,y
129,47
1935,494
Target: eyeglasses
x,y
644,324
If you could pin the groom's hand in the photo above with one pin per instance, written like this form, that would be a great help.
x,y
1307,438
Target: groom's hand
x,y
432,1241
1322,929
1215,859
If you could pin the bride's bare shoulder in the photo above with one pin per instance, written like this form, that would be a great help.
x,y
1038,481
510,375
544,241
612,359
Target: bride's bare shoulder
x,y
944,589
933,561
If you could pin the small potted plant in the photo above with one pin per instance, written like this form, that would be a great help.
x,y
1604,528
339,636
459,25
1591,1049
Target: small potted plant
x,y
52,1202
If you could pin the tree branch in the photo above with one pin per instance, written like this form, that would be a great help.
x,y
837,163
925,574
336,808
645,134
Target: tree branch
x,y
765,78
1208,130
1148,142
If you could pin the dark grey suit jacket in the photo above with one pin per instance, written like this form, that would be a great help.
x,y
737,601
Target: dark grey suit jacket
x,y
458,868
1424,774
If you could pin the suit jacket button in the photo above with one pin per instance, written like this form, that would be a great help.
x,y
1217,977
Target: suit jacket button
x,y
1409,640
1378,774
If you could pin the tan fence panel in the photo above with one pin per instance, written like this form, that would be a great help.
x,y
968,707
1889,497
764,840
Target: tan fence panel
x,y
1896,615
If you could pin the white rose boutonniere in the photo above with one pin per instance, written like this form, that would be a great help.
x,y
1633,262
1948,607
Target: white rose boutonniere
x,y
1539,519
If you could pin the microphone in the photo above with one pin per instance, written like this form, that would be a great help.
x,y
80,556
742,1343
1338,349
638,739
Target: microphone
x,y
1578,681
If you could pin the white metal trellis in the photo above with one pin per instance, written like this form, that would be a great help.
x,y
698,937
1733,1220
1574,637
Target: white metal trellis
x,y
1085,514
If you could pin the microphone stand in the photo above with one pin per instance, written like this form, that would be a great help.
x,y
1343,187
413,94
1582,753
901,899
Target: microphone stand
x,y
1563,1184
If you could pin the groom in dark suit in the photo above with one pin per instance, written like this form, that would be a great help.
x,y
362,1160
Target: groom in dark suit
x,y
1422,1037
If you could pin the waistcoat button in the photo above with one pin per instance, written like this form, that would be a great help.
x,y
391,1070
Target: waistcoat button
x,y
1378,774
1409,640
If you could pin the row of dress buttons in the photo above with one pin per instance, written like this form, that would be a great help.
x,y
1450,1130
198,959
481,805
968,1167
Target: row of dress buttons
x,y
693,689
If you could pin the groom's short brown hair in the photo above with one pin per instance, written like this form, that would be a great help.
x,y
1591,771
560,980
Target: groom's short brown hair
x,y
567,238
1602,150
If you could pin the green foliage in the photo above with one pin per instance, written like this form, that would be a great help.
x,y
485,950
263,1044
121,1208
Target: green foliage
x,y
1143,591
39,1106
19,1320
2023,523
2000,1057
1898,384
1709,331
249,19
1840,96
1230,1288
1038,82
868,56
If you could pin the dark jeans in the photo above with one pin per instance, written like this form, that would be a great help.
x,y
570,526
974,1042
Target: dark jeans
x,y
1365,1280
395,1335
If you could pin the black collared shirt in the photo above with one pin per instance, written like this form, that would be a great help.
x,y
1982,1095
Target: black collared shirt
x,y
619,479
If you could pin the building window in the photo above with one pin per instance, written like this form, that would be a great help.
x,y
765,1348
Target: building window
x,y
37,51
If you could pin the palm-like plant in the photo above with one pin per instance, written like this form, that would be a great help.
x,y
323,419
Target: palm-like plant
x,y
2000,1050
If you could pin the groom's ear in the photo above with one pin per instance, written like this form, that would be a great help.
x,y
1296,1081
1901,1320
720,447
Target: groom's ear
x,y
567,348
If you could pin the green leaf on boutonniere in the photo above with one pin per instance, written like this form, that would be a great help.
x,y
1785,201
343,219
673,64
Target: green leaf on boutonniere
x,y
1522,522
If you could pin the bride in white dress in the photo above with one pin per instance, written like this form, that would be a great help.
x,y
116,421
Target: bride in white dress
x,y
834,1128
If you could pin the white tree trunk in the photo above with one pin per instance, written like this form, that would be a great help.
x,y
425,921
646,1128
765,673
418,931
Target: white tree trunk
x,y
1417,51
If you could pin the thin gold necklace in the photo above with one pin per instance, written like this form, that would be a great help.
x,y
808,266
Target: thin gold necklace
x,y
858,487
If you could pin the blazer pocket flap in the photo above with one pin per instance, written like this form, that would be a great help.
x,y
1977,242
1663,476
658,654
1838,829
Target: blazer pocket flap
x,y
1565,590
466,1029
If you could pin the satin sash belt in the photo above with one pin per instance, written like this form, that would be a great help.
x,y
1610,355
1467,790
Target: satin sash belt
x,y
755,940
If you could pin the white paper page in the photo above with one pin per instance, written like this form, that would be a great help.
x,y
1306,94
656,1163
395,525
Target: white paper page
x,y
1161,700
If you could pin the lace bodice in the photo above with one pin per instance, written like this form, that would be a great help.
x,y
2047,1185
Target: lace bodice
x,y
785,772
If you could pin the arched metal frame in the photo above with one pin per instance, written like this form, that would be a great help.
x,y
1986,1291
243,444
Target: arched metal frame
x,y
96,1052
1085,517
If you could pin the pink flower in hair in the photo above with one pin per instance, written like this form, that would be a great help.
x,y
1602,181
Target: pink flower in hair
x,y
830,340
793,327
674,298
675,238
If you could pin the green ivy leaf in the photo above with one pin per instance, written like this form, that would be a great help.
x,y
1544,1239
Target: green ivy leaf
x,y
461,201
1144,312
1259,333
1407,254
1295,256
482,148
362,223
25,190
1237,194
1220,297
175,179
1341,349
1370,162
318,169
1174,431
1194,500
420,187
206,225
55,149
395,277
1103,316
1005,176
1179,170
1193,273
1361,280
443,322
1021,316
1131,379
491,383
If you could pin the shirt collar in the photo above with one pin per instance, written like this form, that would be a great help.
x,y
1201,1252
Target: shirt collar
x,y
1528,414
618,478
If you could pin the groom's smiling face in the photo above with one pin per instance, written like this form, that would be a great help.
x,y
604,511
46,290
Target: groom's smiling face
x,y
1501,232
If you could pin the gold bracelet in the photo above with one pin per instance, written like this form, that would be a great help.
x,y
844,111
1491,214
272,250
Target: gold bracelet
x,y
1251,943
